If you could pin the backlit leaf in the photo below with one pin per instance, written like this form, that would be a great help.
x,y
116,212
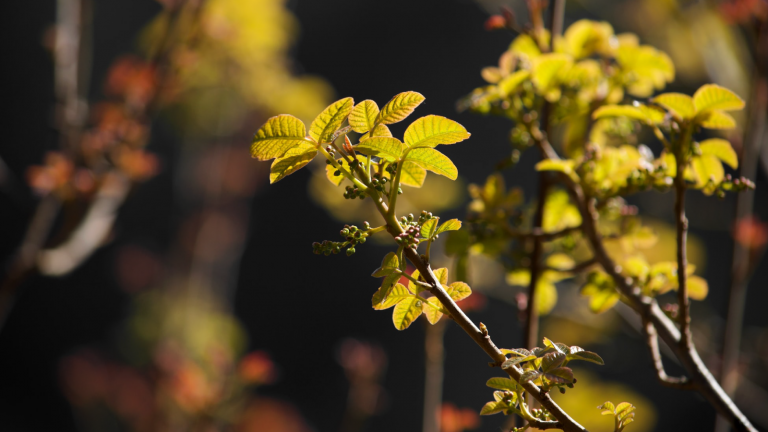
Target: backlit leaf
x,y
502,384
400,107
433,130
619,111
563,166
608,408
714,97
406,312
412,174
449,225
578,353
519,277
516,352
277,136
493,407
546,69
559,212
552,360
396,294
720,149
705,168
525,46
510,83
330,173
517,360
432,160
560,261
546,296
326,123
718,120
679,104
432,310
293,160
389,264
458,291
362,118
379,131
429,228
698,288
531,375
389,149
560,375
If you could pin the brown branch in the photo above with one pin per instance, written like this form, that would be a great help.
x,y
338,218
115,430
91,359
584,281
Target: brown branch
x,y
537,233
578,268
564,421
681,223
651,338
649,310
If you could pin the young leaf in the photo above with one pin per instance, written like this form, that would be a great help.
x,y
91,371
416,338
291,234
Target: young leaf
x,y
326,123
449,225
330,174
560,375
546,296
293,160
578,353
705,168
362,118
429,228
619,111
720,149
379,131
608,408
563,166
552,360
493,407
713,97
680,105
717,120
546,69
432,309
516,360
560,261
406,312
502,384
433,160
554,346
412,174
388,265
516,352
531,375
397,294
277,136
389,149
400,107
510,83
458,291
432,130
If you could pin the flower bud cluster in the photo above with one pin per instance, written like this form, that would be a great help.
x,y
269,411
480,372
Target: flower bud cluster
x,y
378,181
729,184
353,236
353,192
412,229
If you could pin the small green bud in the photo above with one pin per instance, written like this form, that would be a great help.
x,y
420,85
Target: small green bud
x,y
350,251
562,390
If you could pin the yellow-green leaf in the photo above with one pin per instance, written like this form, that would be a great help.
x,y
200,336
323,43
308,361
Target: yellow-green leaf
x,y
330,172
293,160
510,83
432,309
362,118
412,174
698,288
389,149
458,291
433,160
546,69
705,168
559,212
679,104
449,225
493,407
519,277
389,264
720,149
563,166
502,384
717,120
713,97
379,131
384,290
400,107
619,111
406,312
432,130
326,123
277,136
560,261
546,296
429,228
603,300
397,294
524,45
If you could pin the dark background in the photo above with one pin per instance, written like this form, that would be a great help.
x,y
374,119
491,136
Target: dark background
x,y
436,47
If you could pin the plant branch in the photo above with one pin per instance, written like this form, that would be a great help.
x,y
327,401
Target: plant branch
x,y
539,233
651,338
681,223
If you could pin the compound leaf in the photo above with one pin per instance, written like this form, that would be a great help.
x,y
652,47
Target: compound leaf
x,y
293,160
406,312
277,136
449,225
717,120
326,123
429,228
433,130
679,104
714,97
458,291
432,160
720,149
389,149
395,295
412,174
400,107
362,118
389,264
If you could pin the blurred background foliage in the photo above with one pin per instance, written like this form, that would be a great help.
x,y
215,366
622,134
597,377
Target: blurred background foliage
x,y
193,301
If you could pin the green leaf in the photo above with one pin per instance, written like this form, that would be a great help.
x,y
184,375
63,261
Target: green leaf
x,y
560,375
705,168
502,384
560,261
429,228
389,149
717,120
516,360
330,174
449,225
511,82
713,97
388,265
458,291
406,312
563,166
433,130
493,407
293,160
412,174
432,160
519,277
698,288
623,410
396,294
720,149
619,111
559,212
432,309
546,69
608,408
326,123
516,352
400,107
557,347
277,136
531,375
379,131
362,118
578,353
525,46
679,104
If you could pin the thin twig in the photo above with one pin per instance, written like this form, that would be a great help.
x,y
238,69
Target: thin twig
x,y
681,223
539,233
651,338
